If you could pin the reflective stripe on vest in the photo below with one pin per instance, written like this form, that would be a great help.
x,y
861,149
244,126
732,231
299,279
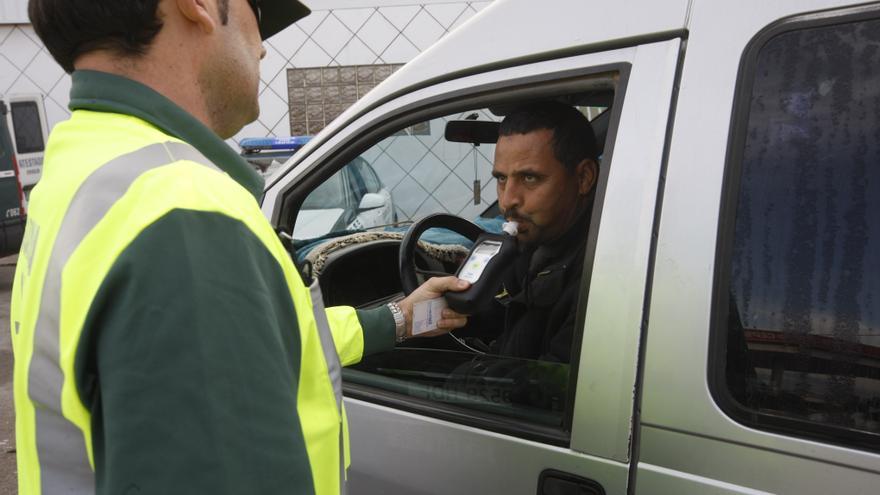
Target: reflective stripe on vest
x,y
334,368
63,459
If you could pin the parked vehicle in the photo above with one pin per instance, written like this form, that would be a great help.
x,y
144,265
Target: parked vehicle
x,y
26,120
12,203
729,323
352,199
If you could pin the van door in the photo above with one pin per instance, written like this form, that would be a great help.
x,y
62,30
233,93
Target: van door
x,y
762,368
27,122
12,212
442,415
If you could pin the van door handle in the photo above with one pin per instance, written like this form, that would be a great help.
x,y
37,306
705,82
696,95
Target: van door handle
x,y
553,482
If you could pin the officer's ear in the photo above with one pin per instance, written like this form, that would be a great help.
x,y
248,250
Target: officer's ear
x,y
202,14
587,173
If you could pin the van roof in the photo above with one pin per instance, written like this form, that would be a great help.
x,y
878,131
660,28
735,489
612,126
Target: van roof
x,y
520,33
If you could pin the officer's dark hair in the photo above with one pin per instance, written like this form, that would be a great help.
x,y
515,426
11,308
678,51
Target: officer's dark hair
x,y
70,28
573,137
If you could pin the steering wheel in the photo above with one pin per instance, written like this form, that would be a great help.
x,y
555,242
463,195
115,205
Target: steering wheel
x,y
408,280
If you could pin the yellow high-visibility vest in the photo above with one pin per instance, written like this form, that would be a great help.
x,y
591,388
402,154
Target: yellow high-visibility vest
x,y
107,178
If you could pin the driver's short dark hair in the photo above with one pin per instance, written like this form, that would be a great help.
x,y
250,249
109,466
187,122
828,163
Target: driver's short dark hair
x,y
573,137
70,28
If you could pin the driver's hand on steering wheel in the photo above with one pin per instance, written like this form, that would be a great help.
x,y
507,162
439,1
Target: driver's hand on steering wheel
x,y
433,288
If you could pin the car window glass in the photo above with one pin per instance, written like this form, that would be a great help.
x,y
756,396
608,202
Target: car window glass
x,y
27,126
421,173
6,150
523,389
803,325
330,194
5,153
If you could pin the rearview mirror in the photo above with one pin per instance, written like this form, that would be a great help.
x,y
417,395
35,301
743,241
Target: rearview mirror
x,y
472,131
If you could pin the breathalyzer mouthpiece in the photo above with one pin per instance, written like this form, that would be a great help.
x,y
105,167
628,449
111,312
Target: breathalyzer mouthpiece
x,y
510,228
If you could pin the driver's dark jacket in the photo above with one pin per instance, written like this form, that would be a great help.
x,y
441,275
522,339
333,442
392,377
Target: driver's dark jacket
x,y
538,298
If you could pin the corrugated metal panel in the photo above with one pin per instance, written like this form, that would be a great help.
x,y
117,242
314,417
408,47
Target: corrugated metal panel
x,y
13,12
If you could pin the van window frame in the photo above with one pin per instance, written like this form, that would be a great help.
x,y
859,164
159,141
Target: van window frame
x,y
507,91
716,370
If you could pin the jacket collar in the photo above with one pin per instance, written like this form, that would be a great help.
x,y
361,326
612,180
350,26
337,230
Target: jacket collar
x,y
103,92
538,276
563,248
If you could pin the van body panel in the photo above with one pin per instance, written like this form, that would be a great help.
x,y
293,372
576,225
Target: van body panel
x,y
656,479
677,354
573,24
422,455
764,469
604,404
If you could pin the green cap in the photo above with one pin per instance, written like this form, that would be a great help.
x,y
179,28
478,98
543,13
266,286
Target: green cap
x,y
275,15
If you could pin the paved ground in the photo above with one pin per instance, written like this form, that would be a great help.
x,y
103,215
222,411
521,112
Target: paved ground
x,y
8,473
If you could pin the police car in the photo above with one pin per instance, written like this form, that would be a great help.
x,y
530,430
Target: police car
x,y
268,154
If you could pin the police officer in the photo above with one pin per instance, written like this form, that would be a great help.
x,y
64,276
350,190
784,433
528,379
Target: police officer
x,y
164,342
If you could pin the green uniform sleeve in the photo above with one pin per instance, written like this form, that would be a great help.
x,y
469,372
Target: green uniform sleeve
x,y
189,363
379,329
356,333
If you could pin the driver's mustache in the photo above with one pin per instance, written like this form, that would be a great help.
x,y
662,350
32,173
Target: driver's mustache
x,y
515,216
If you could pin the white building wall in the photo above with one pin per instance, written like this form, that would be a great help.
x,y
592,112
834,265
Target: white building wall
x,y
338,32
13,12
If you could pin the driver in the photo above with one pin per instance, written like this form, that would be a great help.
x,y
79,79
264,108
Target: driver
x,y
546,166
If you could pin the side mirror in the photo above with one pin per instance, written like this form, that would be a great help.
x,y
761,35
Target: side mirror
x,y
371,201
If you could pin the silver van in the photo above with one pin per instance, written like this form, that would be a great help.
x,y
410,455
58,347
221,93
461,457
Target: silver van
x,y
728,326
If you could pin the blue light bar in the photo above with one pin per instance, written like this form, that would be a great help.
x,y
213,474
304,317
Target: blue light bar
x,y
274,143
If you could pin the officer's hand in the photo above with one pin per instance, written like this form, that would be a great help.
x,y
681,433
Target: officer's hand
x,y
432,288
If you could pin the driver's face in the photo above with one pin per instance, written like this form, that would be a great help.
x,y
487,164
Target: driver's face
x,y
535,189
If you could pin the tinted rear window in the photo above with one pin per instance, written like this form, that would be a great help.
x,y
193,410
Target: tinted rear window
x,y
803,318
26,123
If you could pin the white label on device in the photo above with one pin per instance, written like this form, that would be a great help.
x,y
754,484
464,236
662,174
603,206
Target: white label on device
x,y
426,314
478,260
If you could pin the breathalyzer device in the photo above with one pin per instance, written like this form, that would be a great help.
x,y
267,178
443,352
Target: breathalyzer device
x,y
486,261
